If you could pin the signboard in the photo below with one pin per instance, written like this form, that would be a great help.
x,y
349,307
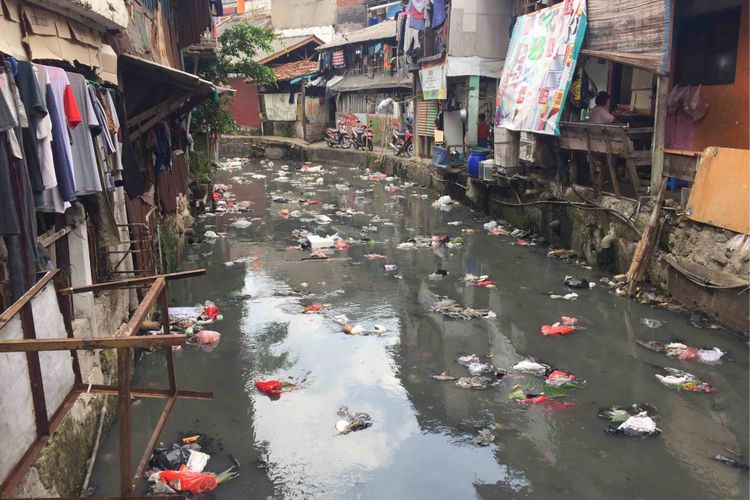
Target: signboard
x,y
539,67
434,83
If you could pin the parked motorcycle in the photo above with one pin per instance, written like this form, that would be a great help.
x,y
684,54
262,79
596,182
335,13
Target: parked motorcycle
x,y
338,137
361,136
403,142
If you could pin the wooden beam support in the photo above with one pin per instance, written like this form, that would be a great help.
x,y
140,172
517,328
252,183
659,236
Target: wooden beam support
x,y
16,307
109,285
146,392
35,372
74,344
660,123
645,247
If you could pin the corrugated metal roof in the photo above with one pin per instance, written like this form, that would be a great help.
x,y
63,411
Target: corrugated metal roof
x,y
282,45
380,31
353,83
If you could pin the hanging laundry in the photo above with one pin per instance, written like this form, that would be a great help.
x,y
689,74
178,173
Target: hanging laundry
x,y
64,113
35,108
338,59
84,163
417,14
438,13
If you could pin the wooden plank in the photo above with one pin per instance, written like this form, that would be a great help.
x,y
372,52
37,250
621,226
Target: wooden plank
x,y
67,344
153,440
660,124
592,167
133,281
19,471
645,247
720,195
16,307
612,170
124,420
146,392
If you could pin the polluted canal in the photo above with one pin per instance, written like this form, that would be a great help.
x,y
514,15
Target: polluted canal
x,y
400,344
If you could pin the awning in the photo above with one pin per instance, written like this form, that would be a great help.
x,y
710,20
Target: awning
x,y
355,83
154,91
380,31
634,33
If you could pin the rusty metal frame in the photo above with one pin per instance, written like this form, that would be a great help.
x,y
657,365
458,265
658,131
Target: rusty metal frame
x,y
124,345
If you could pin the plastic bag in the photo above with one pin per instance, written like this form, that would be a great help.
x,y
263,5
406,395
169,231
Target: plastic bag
x,y
574,282
207,337
531,366
197,461
556,329
689,354
169,458
710,356
186,480
651,323
639,425
559,378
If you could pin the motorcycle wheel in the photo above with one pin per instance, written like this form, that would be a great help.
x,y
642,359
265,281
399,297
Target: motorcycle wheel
x,y
369,146
410,149
346,143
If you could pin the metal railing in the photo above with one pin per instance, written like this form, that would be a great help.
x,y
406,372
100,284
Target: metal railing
x,y
123,343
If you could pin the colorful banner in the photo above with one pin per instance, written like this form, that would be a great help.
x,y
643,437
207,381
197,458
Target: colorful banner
x,y
539,67
433,82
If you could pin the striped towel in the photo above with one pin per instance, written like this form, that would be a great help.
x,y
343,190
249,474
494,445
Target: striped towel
x,y
338,59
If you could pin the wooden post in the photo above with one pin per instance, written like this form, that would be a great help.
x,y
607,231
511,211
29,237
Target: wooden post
x,y
660,121
123,403
645,247
164,306
611,165
304,98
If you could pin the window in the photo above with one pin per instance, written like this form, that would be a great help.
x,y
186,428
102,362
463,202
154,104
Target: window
x,y
706,48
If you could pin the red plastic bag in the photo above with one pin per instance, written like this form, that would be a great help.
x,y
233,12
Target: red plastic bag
x,y
270,387
486,283
535,400
559,378
187,480
217,196
211,312
557,329
342,245
314,308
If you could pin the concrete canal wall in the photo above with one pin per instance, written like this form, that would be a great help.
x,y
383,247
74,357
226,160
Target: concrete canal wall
x,y
604,231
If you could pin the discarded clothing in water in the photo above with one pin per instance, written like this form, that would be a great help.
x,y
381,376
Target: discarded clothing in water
x,y
352,421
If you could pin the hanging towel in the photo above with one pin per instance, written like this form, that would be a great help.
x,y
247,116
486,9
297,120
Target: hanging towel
x,y
438,13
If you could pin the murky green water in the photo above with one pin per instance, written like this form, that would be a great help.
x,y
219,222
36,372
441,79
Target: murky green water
x,y
420,443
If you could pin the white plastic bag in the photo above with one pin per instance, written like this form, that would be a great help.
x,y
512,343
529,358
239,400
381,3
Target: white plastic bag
x,y
639,425
710,356
197,461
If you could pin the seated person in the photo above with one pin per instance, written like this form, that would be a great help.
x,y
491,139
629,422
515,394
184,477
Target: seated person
x,y
600,113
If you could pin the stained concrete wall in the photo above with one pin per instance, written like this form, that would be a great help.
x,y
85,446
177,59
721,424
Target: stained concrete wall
x,y
480,28
302,13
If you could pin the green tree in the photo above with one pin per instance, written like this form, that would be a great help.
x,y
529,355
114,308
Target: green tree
x,y
238,47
